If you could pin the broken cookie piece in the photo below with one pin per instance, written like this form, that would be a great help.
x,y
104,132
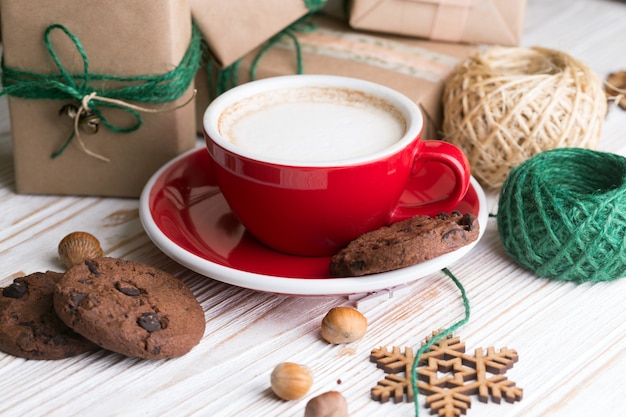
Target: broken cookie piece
x,y
405,243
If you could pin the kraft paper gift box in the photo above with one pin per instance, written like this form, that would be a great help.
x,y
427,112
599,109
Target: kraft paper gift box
x,y
138,38
417,68
498,22
232,28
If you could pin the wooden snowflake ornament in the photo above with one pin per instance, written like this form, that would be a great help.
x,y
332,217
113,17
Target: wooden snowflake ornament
x,y
393,362
447,376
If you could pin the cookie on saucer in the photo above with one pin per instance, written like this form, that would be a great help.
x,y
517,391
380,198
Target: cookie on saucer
x,y
130,308
29,327
405,243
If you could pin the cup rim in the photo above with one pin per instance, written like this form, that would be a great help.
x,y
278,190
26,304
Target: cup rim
x,y
406,106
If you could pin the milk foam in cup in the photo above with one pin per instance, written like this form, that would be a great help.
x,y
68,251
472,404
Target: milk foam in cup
x,y
309,162
312,124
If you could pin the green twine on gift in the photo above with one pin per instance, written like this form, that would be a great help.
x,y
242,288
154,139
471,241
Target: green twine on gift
x,y
228,77
314,5
302,25
437,337
225,78
562,215
159,88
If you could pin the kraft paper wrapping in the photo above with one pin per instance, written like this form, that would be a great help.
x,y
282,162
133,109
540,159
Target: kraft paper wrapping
x,y
498,22
235,27
143,37
417,68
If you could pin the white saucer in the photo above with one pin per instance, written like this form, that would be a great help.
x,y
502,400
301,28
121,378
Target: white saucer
x,y
189,220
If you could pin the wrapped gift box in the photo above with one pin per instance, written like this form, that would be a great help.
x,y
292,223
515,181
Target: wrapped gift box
x,y
417,68
235,27
471,21
144,37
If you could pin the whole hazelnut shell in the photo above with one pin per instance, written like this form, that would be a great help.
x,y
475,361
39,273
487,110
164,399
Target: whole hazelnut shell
x,y
77,247
291,381
328,404
343,325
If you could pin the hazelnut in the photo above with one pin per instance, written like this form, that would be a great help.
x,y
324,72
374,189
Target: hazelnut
x,y
343,325
77,247
291,381
328,404
615,88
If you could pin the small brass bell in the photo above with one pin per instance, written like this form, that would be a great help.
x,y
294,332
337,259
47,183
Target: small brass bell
x,y
68,113
89,123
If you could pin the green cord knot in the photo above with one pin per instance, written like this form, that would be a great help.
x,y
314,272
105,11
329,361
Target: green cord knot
x,y
80,87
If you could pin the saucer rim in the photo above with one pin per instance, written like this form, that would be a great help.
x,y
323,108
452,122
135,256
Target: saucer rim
x,y
323,286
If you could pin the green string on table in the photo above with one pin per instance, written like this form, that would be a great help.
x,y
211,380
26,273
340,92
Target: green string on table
x,y
562,215
159,88
437,337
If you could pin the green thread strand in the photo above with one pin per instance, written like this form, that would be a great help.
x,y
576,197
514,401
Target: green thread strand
x,y
562,215
270,44
64,146
302,25
159,88
227,77
439,336
314,5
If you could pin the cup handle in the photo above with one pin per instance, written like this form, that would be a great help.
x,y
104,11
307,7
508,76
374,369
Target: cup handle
x,y
437,151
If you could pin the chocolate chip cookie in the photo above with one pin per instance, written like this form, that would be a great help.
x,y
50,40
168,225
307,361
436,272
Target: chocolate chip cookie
x,y
29,327
405,243
130,308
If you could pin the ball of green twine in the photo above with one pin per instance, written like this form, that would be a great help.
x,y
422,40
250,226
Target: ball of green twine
x,y
562,215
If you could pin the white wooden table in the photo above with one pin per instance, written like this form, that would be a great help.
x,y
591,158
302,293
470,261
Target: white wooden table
x,y
571,339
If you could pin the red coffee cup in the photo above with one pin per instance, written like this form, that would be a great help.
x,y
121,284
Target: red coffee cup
x,y
299,161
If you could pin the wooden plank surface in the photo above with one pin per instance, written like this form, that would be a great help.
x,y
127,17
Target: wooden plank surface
x,y
570,338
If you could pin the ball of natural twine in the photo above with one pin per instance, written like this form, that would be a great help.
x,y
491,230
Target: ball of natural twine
x,y
506,105
562,214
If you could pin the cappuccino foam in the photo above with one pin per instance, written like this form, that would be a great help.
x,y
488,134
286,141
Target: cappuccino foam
x,y
312,124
